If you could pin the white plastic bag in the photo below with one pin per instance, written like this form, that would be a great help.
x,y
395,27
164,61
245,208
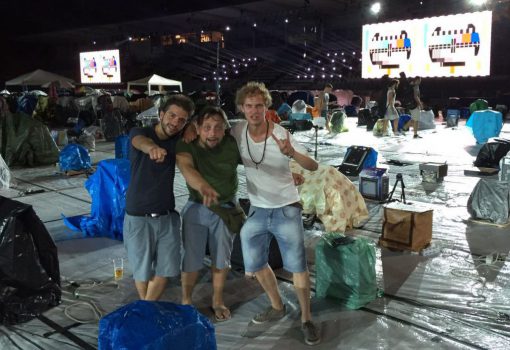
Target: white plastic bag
x,y
5,174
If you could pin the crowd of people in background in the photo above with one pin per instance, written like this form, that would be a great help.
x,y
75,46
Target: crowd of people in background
x,y
394,107
115,112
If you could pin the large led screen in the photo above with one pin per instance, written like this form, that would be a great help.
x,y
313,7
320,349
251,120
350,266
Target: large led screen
x,y
446,46
99,67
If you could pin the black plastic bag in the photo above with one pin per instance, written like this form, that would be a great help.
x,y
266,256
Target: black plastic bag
x,y
491,153
29,269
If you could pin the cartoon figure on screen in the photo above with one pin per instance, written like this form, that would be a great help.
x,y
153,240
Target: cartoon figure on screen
x,y
109,66
89,67
113,63
390,51
454,47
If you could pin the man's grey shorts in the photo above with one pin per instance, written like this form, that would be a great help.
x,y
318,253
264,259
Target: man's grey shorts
x,y
415,113
199,227
153,245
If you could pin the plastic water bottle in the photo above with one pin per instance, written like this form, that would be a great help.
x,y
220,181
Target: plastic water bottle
x,y
504,168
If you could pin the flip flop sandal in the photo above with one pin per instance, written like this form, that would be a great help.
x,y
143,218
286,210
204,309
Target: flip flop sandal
x,y
218,312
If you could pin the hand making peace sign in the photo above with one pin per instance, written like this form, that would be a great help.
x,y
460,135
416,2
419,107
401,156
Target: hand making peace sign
x,y
285,145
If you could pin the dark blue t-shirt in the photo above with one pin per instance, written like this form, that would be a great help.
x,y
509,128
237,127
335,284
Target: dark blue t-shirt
x,y
152,184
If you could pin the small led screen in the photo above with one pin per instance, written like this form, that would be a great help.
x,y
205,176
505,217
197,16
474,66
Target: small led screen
x,y
99,67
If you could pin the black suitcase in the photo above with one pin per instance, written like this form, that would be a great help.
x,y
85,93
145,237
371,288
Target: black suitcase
x,y
372,118
353,160
303,125
364,116
236,259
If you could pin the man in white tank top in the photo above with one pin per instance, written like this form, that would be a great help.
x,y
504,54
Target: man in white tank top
x,y
266,150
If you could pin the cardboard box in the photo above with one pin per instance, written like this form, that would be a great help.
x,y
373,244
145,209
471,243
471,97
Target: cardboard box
x,y
433,172
406,226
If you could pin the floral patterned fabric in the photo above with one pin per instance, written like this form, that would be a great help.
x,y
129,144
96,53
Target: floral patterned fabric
x,y
330,195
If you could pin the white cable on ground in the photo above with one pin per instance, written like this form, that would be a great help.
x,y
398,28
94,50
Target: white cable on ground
x,y
95,310
88,285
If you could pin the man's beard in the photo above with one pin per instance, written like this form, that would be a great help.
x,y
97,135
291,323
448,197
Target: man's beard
x,y
163,127
206,144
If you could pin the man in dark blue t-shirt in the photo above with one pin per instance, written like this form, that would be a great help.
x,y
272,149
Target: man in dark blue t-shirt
x,y
151,225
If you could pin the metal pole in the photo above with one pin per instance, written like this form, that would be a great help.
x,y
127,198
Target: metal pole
x,y
218,87
316,133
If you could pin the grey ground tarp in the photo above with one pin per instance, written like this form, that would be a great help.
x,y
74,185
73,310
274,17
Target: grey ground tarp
x,y
490,201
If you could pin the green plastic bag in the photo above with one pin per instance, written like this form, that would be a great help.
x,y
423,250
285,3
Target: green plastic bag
x,y
346,272
337,122
478,105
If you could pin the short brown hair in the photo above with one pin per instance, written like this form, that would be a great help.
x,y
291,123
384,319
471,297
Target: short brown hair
x,y
328,86
210,111
253,88
179,100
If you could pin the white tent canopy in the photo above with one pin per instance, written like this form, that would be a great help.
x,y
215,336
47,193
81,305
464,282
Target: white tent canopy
x,y
42,78
155,79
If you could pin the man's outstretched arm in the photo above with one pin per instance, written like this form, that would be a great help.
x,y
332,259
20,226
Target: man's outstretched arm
x,y
195,179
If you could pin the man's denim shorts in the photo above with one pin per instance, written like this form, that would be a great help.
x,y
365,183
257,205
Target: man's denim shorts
x,y
286,225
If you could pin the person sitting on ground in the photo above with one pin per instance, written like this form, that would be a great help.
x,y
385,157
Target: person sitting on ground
x,y
284,111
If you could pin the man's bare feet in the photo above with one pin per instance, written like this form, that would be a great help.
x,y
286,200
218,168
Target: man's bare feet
x,y
221,313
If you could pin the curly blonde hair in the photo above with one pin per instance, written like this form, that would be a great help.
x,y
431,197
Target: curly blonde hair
x,y
253,88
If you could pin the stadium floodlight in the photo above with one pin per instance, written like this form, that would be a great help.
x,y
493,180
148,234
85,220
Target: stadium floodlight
x,y
478,2
375,8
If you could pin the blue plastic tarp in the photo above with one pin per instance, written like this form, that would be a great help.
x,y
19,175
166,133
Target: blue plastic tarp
x,y
74,157
156,325
107,188
122,147
371,160
402,121
27,103
485,124
300,116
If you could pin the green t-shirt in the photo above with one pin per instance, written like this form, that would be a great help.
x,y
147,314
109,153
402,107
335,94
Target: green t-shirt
x,y
218,166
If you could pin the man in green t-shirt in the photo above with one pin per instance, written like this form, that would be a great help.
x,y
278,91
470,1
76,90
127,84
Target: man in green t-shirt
x,y
209,165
